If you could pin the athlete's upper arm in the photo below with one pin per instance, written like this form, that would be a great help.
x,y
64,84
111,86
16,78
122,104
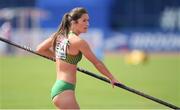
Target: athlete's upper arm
x,y
87,52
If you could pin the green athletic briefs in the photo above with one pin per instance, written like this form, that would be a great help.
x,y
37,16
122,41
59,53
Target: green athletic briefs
x,y
60,86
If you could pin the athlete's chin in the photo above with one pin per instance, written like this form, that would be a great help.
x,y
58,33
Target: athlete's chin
x,y
85,31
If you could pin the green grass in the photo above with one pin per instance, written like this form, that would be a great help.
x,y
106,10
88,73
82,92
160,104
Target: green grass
x,y
25,82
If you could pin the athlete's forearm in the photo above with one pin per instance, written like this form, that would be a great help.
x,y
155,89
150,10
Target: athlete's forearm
x,y
102,68
46,52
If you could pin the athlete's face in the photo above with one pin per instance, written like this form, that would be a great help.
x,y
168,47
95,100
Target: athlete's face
x,y
82,23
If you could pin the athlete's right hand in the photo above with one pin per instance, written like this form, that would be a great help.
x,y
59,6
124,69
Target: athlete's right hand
x,y
113,81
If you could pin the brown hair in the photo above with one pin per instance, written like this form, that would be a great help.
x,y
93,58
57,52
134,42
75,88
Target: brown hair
x,y
65,25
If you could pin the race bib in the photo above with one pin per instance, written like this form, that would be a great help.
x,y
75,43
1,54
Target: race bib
x,y
61,48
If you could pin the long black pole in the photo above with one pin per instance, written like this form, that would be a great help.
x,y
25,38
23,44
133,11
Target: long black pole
x,y
98,77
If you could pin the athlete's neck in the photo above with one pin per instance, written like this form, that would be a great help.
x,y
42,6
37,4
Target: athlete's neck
x,y
74,32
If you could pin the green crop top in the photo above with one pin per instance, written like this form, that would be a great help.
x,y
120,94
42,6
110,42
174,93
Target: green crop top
x,y
61,52
73,59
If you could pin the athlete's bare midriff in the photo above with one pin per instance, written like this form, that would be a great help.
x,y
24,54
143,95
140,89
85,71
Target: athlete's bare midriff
x,y
66,71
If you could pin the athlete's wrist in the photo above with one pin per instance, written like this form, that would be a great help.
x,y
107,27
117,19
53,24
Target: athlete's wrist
x,y
111,77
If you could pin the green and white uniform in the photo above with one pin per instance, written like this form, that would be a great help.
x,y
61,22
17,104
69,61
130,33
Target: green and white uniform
x,y
61,53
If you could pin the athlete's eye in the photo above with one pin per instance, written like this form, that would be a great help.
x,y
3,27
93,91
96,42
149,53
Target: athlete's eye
x,y
86,20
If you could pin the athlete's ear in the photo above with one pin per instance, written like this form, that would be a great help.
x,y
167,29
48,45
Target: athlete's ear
x,y
74,22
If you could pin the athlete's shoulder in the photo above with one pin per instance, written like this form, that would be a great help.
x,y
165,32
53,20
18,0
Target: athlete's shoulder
x,y
81,41
78,42
74,39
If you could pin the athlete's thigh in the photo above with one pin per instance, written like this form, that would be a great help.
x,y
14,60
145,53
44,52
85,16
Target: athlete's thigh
x,y
66,100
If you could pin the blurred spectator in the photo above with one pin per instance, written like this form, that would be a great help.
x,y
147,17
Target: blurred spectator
x,y
7,34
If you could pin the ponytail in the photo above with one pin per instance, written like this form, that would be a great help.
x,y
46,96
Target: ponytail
x,y
64,28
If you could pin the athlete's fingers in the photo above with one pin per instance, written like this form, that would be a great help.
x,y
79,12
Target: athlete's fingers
x,y
112,83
